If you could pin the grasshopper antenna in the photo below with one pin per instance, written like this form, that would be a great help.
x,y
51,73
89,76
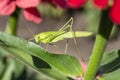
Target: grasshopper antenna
x,y
30,30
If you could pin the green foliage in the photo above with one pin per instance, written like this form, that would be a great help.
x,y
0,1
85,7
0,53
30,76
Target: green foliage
x,y
50,11
9,68
110,66
55,66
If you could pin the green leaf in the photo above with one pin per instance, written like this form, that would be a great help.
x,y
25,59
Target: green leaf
x,y
56,66
7,71
6,60
110,66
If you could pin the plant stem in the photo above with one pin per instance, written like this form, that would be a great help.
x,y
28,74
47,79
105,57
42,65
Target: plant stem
x,y
11,27
102,38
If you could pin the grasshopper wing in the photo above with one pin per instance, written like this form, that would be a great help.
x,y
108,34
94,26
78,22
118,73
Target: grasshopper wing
x,y
72,35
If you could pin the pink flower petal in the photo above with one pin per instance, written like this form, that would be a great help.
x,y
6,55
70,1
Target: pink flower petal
x,y
115,12
3,3
101,3
27,3
79,79
84,66
7,7
32,14
76,3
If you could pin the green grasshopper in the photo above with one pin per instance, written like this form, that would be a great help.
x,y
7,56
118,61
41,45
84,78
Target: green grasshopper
x,y
62,34
50,37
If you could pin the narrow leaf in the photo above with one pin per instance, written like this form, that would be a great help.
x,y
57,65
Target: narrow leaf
x,y
55,65
110,66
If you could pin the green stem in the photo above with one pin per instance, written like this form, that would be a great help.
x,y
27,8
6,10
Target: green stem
x,y
11,27
102,38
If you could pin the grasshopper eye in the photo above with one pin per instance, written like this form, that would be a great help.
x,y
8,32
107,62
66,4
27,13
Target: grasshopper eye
x,y
38,38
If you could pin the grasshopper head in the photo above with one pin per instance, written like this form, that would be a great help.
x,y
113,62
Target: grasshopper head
x,y
37,39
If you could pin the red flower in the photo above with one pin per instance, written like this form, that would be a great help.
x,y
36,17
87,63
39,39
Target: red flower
x,y
101,3
76,3
114,11
67,3
7,7
61,3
